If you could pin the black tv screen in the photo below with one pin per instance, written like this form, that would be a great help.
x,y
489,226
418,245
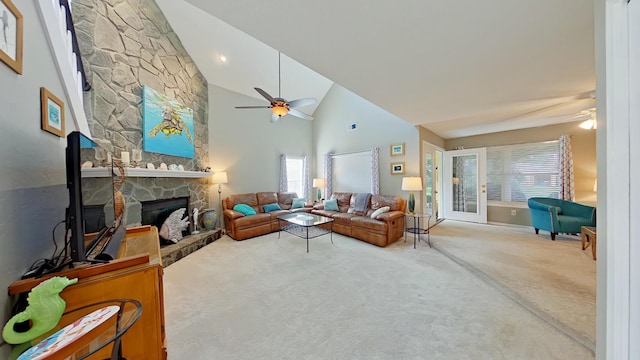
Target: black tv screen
x,y
92,231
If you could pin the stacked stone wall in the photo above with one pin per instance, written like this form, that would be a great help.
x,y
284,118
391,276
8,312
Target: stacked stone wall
x,y
125,44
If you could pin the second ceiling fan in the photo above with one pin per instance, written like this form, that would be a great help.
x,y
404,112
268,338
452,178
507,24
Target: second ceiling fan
x,y
280,106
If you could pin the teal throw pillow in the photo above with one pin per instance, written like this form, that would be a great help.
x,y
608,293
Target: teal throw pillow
x,y
331,204
271,207
245,209
297,203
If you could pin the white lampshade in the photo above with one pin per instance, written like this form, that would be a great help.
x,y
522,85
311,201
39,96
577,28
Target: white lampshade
x,y
412,183
318,183
219,177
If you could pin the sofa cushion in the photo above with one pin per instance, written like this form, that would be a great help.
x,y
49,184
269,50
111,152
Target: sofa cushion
x,y
249,199
343,218
271,207
331,205
245,209
369,224
393,202
266,197
325,213
344,199
382,210
285,199
297,203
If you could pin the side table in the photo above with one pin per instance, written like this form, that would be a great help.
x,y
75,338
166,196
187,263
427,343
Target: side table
x,y
589,237
94,327
417,230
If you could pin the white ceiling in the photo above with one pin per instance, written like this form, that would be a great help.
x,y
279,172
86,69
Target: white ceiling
x,y
458,68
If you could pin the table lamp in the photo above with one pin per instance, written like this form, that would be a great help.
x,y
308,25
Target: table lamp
x,y
411,184
318,183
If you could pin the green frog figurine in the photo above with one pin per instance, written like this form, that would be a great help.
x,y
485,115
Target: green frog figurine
x,y
44,311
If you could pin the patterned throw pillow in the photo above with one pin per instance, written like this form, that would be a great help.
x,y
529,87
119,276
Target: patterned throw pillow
x,y
244,209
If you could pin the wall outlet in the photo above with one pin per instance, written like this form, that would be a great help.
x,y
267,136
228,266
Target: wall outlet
x,y
352,127
513,212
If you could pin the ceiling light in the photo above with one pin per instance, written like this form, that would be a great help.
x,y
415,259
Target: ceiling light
x,y
589,124
221,58
280,110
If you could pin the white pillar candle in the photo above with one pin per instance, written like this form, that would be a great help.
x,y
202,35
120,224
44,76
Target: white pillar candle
x,y
108,159
124,156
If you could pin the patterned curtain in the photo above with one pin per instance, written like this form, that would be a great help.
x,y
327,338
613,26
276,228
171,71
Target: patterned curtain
x,y
328,175
306,187
375,171
284,185
567,191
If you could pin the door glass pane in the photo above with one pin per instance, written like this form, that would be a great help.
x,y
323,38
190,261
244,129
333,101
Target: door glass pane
x,y
465,183
428,179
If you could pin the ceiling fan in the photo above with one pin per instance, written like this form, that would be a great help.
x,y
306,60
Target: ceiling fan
x,y
280,106
591,122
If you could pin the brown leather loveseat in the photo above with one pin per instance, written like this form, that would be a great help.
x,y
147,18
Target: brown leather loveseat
x,y
241,227
385,229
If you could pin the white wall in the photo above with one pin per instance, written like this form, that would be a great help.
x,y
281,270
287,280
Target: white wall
x,y
376,127
33,195
247,146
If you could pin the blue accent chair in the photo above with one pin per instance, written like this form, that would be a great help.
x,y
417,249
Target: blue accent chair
x,y
560,216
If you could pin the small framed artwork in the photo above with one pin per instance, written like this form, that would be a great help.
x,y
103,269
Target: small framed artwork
x,y
52,110
11,35
397,168
397,149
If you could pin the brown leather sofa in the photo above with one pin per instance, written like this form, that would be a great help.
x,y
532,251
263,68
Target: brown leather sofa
x,y
385,229
241,227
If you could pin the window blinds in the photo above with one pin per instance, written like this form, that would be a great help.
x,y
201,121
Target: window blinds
x,y
518,172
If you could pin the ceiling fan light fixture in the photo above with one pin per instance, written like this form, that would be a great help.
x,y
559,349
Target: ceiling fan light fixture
x,y
589,124
280,110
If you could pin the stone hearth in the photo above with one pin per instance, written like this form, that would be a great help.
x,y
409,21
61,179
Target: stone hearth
x,y
188,245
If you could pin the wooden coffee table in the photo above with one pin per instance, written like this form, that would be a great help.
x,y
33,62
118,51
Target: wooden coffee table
x,y
588,234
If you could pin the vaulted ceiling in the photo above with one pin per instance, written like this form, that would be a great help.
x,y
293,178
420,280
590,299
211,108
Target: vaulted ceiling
x,y
458,68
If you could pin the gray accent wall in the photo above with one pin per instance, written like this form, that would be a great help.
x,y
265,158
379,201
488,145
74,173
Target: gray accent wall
x,y
247,146
375,128
33,194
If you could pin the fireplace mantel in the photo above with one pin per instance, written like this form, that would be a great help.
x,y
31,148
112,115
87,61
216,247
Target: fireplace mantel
x,y
142,172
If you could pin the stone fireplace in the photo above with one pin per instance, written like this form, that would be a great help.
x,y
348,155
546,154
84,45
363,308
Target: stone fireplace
x,y
146,195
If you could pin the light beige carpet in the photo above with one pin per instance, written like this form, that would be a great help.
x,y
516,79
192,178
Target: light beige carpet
x,y
266,298
555,280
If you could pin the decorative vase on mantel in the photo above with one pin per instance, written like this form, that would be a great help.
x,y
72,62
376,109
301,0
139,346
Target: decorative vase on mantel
x,y
209,219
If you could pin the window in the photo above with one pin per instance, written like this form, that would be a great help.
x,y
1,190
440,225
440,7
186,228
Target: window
x,y
295,168
518,172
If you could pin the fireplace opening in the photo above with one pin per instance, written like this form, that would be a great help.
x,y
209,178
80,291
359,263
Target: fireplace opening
x,y
155,212
94,218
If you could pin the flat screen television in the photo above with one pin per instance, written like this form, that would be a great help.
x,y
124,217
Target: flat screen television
x,y
103,240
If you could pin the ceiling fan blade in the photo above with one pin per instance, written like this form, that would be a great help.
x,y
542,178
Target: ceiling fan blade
x,y
254,107
274,118
265,95
302,102
300,114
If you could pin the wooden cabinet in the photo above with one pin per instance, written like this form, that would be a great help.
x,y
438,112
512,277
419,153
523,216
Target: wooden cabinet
x,y
135,274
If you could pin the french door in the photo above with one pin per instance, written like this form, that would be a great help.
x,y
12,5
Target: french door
x,y
465,185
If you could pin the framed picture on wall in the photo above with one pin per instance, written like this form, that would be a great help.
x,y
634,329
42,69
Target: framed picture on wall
x,y
397,168
52,113
11,35
397,149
